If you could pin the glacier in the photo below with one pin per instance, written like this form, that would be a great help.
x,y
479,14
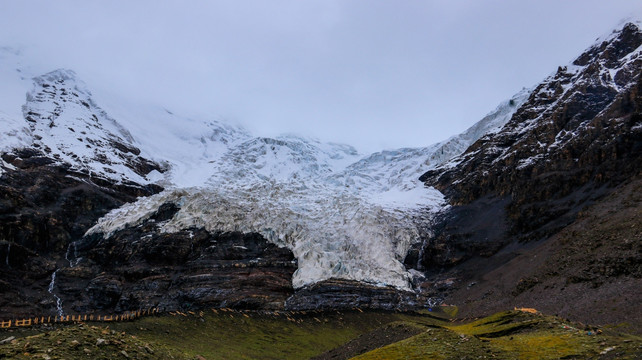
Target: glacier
x,y
344,215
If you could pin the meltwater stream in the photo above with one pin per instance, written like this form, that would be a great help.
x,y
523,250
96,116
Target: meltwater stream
x,y
52,284
72,254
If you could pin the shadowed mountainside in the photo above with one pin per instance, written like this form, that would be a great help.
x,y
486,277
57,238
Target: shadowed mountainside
x,y
519,231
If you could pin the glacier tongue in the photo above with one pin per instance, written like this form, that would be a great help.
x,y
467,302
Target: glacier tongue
x,y
342,217
332,235
284,190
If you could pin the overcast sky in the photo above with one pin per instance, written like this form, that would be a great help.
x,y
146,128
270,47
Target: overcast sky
x,y
375,74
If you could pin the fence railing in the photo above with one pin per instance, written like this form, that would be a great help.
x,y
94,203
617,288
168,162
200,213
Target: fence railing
x,y
130,315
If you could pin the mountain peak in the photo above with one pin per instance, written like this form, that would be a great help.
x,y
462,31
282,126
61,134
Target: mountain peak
x,y
69,126
561,138
614,48
58,76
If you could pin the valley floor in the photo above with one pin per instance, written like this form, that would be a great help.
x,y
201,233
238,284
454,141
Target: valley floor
x,y
227,334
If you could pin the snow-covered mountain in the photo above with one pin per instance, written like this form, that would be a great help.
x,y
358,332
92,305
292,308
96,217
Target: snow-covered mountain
x,y
341,220
578,107
544,210
577,136
342,214
390,177
225,218
14,131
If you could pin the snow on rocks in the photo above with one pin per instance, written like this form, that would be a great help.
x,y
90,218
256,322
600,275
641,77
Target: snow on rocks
x,y
67,125
343,215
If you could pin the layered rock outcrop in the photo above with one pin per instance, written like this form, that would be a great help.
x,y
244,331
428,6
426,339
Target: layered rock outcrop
x,y
141,267
338,294
44,207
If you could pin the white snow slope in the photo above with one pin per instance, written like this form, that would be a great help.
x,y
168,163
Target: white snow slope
x,y
342,215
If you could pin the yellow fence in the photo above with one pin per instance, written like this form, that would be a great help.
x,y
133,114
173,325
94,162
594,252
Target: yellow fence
x,y
131,315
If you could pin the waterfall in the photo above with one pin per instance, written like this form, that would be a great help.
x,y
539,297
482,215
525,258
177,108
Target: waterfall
x,y
72,254
418,265
58,300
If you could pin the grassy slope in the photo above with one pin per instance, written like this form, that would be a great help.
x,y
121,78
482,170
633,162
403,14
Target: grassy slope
x,y
236,335
512,335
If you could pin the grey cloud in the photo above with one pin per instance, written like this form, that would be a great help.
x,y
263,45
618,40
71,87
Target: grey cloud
x,y
376,74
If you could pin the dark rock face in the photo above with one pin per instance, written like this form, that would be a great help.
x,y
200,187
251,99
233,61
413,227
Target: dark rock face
x,y
336,294
141,267
577,137
546,212
590,271
44,208
463,230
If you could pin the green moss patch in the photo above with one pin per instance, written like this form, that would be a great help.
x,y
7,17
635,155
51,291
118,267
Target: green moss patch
x,y
435,344
512,335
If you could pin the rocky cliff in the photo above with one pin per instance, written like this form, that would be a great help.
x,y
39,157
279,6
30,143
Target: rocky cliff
x,y
578,135
44,207
567,150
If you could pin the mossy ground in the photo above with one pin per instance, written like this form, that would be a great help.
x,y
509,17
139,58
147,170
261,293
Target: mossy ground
x,y
254,335
79,341
513,335
261,335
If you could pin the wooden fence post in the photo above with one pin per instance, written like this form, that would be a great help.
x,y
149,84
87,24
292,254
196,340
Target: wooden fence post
x,y
23,322
127,316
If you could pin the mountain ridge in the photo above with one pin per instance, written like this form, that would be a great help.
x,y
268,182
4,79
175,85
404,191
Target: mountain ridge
x,y
575,144
334,221
242,167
